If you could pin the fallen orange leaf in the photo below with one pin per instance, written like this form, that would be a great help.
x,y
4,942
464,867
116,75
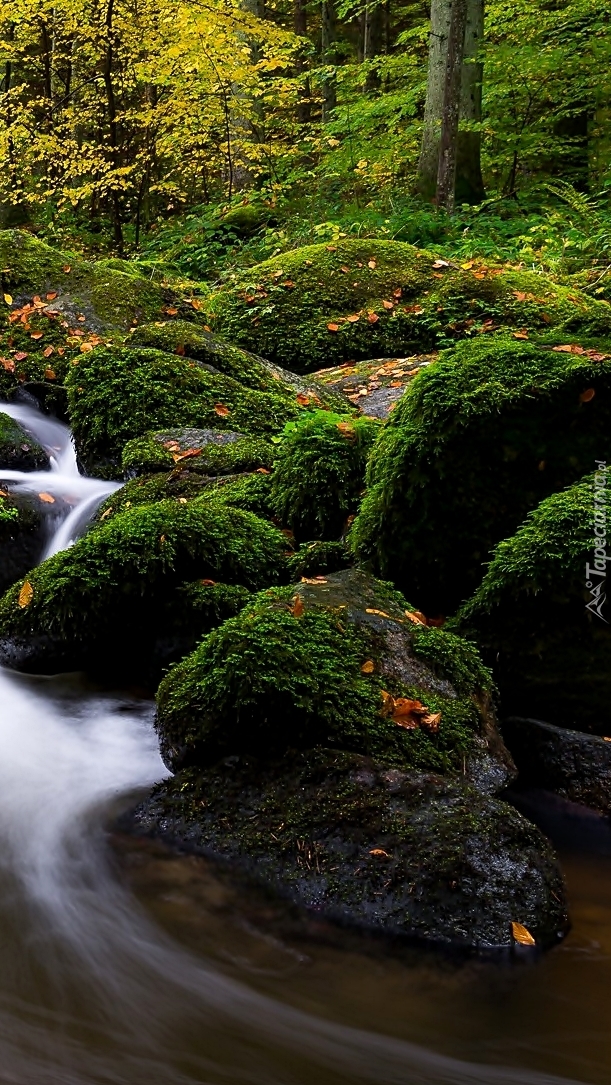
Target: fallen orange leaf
x,y
522,935
586,396
333,327
47,498
297,608
368,667
25,595
221,410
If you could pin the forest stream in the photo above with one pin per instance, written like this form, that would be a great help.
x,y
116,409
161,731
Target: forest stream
x,y
132,965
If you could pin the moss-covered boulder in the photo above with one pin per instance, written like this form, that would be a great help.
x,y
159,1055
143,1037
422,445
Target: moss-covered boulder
x,y
335,661
541,614
318,558
319,473
19,451
106,296
120,393
22,535
192,341
324,304
61,306
249,491
109,600
480,437
368,846
210,452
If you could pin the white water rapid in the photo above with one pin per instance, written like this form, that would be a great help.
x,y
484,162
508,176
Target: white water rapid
x,y
78,497
92,991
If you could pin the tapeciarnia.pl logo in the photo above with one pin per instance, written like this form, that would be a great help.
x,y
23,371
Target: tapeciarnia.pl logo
x,y
596,574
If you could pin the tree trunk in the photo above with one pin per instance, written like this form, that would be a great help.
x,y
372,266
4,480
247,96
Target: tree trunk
x,y
329,86
448,146
469,183
112,123
300,26
373,37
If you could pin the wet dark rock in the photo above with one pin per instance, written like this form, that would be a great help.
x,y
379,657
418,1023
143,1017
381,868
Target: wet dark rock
x,y
571,763
369,846
19,451
22,536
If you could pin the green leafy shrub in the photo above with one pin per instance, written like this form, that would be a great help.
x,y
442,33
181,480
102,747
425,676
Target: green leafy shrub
x,y
320,473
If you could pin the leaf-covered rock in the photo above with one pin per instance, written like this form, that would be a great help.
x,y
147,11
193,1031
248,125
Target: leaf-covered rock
x,y
334,662
321,305
209,452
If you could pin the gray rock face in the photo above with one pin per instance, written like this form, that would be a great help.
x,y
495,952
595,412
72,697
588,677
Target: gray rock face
x,y
404,854
571,763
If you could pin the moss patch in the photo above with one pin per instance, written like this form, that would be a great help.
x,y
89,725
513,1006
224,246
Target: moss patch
x,y
480,437
551,654
386,298
320,473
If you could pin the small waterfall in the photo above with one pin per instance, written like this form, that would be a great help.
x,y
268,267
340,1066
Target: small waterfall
x,y
77,497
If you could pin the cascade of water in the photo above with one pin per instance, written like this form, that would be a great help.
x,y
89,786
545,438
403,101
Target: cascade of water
x,y
77,497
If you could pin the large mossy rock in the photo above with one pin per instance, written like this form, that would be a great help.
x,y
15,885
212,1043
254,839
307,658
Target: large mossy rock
x,y
385,850
337,662
120,393
19,451
480,437
541,621
62,305
319,473
191,341
321,305
250,491
119,593
107,297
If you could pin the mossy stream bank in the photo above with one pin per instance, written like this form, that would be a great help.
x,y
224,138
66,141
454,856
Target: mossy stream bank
x,y
238,568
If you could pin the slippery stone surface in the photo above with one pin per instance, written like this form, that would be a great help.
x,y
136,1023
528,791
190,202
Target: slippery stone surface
x,y
571,763
365,845
19,451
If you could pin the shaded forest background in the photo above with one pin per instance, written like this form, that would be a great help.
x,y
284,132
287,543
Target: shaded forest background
x,y
186,133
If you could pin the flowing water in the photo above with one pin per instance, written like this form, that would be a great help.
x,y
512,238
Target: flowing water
x,y
152,969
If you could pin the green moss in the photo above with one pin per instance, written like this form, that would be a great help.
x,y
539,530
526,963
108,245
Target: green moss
x,y
317,558
284,306
275,678
320,473
480,437
250,492
530,616
161,451
117,394
108,296
189,340
452,657
246,219
22,536
110,589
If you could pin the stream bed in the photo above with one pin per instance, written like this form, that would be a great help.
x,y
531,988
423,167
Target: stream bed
x,y
123,963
